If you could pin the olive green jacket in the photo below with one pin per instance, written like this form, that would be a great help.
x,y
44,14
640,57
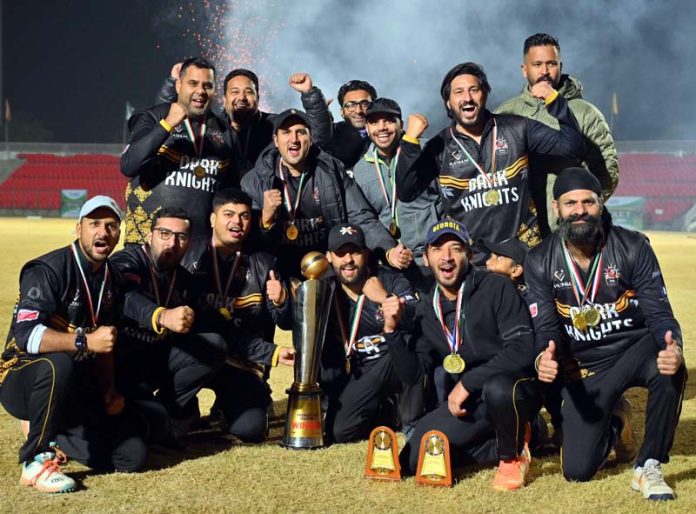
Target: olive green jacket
x,y
600,152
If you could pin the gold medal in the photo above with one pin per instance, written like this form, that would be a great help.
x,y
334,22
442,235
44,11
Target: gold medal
x,y
225,313
591,315
394,230
492,196
454,364
579,321
199,171
291,232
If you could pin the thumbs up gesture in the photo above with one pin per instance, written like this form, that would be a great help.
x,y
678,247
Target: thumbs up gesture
x,y
275,290
670,359
547,365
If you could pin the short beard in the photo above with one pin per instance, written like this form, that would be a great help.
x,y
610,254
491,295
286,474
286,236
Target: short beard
x,y
359,277
585,234
243,115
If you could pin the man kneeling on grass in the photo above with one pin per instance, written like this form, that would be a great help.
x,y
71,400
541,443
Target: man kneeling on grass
x,y
475,326
57,369
603,324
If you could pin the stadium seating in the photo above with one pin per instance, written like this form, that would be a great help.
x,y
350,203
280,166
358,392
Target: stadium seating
x,y
665,181
37,183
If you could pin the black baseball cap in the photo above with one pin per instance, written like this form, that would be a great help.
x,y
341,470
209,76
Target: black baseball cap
x,y
440,228
346,233
282,117
511,247
384,106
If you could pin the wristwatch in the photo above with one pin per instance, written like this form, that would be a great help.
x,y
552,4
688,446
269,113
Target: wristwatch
x,y
80,340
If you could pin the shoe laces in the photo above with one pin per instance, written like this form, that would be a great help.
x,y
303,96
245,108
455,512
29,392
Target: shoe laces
x,y
652,471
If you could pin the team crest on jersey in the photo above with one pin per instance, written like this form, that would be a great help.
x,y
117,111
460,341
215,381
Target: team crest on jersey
x,y
612,275
379,315
501,146
315,195
534,310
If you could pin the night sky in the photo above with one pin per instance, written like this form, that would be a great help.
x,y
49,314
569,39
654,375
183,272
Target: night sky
x,y
69,66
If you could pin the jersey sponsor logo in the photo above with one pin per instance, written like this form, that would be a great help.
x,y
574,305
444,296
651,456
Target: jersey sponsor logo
x,y
26,315
216,136
611,275
534,310
560,281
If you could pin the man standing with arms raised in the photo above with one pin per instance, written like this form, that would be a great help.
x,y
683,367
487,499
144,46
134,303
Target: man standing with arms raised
x,y
481,160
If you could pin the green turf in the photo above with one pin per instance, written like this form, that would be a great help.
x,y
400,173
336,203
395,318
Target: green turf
x,y
219,476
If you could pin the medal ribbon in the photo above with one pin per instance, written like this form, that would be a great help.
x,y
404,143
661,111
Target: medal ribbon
x,y
90,304
392,171
471,159
349,339
155,282
286,192
577,283
197,143
216,271
453,340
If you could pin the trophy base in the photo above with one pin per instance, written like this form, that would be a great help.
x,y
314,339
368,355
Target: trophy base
x,y
304,427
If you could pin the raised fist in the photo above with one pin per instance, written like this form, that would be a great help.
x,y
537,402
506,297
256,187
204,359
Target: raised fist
x,y
417,124
301,82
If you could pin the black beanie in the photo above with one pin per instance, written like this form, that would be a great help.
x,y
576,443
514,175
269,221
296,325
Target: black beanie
x,y
571,179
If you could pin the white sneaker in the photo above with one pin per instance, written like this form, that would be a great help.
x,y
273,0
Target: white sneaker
x,y
44,474
649,481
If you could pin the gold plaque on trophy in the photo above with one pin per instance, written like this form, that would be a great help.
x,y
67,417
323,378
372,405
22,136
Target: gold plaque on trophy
x,y
434,466
383,455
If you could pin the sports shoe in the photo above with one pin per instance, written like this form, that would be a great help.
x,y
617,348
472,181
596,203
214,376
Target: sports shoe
x,y
44,473
511,473
625,442
649,481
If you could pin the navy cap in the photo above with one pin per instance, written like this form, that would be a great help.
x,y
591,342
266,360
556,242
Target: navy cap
x,y
384,106
511,247
346,233
282,117
440,228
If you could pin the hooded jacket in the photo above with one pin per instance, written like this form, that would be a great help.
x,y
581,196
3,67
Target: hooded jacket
x,y
600,156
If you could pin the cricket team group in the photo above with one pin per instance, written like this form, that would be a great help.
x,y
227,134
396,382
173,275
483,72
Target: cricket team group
x,y
478,279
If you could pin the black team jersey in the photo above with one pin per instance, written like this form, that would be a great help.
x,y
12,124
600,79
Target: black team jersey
x,y
631,299
496,204
167,169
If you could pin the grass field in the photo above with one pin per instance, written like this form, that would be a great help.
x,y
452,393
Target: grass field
x,y
220,476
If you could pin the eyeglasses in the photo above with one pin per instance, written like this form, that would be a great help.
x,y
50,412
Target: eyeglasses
x,y
351,106
166,234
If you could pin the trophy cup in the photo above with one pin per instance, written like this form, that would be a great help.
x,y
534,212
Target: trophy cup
x,y
304,427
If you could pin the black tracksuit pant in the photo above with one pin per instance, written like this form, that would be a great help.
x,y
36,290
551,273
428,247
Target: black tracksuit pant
x,y
63,404
588,404
355,400
493,428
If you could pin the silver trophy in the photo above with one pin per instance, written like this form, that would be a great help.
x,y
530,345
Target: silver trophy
x,y
304,427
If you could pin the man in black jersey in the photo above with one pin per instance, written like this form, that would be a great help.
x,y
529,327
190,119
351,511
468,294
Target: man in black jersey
x,y
166,343
249,297
178,155
476,326
481,160
56,372
603,324
369,306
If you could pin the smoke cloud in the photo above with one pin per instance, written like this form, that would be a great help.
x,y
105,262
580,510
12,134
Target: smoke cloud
x,y
636,48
